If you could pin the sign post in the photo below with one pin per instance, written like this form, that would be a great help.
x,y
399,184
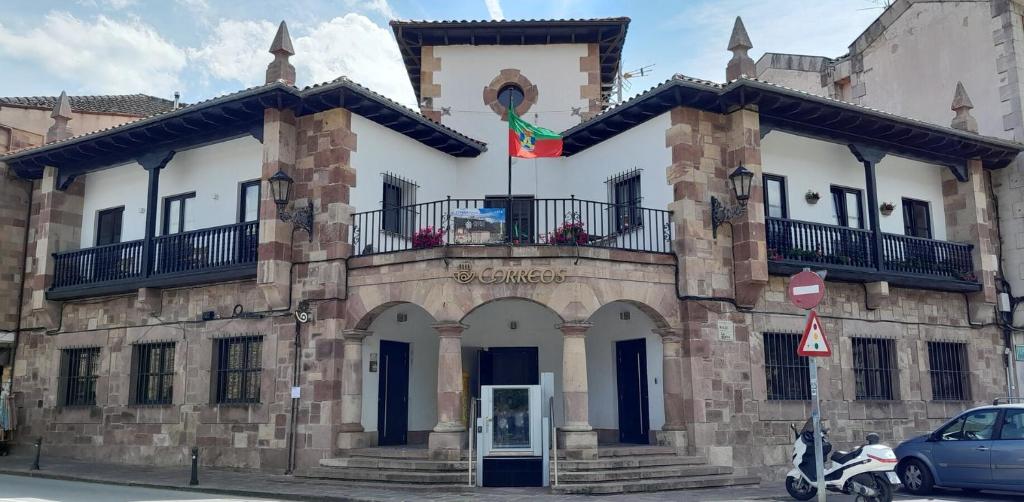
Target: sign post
x,y
806,290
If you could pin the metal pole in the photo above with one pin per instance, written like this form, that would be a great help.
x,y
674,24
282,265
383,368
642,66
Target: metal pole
x,y
508,203
194,480
819,461
39,446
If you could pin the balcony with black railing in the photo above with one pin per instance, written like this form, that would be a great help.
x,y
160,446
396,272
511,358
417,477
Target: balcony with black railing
x,y
851,254
205,255
534,222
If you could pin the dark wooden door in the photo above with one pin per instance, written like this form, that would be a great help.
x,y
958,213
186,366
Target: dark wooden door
x,y
393,394
631,377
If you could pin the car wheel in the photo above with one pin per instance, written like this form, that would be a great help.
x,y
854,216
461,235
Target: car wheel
x,y
916,478
800,489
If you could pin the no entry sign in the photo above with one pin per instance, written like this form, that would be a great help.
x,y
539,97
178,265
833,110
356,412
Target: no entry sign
x,y
806,289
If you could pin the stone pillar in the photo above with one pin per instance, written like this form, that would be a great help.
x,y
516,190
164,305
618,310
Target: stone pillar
x,y
351,433
448,438
739,43
968,219
58,228
578,438
14,211
673,433
275,248
750,265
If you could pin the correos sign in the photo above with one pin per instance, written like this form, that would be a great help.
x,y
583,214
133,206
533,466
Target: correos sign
x,y
465,274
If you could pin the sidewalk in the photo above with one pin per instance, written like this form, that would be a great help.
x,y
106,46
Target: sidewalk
x,y
263,485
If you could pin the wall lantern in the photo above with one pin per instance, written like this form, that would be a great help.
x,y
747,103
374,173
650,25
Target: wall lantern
x,y
740,179
280,188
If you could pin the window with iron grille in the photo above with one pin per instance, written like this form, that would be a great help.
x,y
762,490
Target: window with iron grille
x,y
154,373
398,205
624,195
79,370
786,374
874,368
950,376
238,366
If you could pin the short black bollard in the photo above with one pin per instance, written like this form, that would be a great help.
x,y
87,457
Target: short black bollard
x,y
39,446
195,467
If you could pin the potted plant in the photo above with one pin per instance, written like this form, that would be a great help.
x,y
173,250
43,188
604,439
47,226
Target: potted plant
x,y
428,237
571,232
886,208
812,197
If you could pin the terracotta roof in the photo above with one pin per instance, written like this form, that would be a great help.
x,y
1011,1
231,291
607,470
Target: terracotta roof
x,y
136,105
608,33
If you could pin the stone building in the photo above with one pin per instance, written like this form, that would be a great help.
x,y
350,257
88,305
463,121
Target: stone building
x,y
914,56
303,279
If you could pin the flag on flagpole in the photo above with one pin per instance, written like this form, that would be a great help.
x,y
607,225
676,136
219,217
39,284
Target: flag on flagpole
x,y
529,141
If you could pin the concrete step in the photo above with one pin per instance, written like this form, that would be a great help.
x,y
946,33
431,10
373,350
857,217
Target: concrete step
x,y
396,452
654,485
673,471
395,464
628,462
632,451
385,475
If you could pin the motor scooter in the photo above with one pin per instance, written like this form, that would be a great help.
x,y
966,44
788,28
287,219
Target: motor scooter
x,y
867,472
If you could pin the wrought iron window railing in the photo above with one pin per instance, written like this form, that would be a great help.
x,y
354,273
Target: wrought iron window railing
x,y
874,368
79,371
238,366
194,251
787,375
949,372
573,222
154,373
803,242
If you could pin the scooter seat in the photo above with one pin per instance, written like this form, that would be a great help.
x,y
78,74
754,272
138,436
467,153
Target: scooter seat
x,y
843,457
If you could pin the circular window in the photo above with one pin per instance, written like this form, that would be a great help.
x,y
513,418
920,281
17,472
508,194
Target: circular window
x,y
510,92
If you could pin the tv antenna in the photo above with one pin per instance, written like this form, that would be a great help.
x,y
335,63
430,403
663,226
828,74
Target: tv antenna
x,y
622,80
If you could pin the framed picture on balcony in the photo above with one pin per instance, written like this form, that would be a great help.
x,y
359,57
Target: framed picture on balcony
x,y
479,225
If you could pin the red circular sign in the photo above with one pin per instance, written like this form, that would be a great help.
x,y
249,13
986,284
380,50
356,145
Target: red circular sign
x,y
806,289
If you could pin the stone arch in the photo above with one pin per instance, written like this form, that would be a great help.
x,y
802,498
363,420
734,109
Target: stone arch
x,y
441,299
505,77
500,298
659,320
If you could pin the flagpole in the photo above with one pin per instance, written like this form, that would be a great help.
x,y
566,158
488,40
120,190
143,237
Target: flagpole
x,y
508,203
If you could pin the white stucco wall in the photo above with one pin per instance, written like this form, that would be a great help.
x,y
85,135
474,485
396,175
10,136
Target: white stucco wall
x,y
913,68
214,172
488,326
806,81
809,164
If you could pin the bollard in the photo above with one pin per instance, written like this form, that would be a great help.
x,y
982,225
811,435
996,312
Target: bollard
x,y
39,446
195,467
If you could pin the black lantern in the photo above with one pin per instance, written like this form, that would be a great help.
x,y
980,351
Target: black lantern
x,y
740,179
280,187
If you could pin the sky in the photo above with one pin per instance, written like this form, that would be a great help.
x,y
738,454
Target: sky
x,y
205,48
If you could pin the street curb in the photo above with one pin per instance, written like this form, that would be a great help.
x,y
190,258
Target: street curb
x,y
183,488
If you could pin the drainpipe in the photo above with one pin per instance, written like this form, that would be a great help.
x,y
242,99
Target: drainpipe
x,y
295,383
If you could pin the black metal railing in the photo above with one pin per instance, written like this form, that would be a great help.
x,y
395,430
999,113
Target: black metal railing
x,y
822,244
193,251
566,222
806,242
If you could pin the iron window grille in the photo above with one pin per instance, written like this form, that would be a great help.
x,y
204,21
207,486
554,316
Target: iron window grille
x,y
80,368
154,373
874,368
238,369
625,196
950,375
398,203
787,375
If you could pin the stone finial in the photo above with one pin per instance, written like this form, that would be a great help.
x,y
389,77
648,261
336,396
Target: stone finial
x,y
962,106
280,69
61,116
739,44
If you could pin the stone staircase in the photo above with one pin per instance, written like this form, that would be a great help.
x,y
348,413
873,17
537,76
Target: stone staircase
x,y
633,469
618,469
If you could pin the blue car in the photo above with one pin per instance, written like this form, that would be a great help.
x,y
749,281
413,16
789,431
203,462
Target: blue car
x,y
980,449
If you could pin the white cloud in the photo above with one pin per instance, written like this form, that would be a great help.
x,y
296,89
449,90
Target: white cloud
x,y
113,4
350,45
195,6
102,55
494,10
378,6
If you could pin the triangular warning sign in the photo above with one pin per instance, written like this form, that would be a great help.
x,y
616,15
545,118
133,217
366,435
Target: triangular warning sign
x,y
814,343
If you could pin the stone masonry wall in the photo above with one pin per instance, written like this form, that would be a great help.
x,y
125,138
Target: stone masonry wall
x,y
14,195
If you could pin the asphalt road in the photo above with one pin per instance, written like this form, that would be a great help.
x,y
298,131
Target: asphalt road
x,y
32,489
26,489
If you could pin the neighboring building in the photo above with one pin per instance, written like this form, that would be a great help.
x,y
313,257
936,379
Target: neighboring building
x,y
163,286
908,62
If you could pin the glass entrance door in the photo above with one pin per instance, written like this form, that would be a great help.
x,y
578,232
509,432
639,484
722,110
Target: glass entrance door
x,y
512,420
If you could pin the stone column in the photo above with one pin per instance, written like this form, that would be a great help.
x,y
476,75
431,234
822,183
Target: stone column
x,y
578,438
673,433
969,211
58,226
449,435
351,430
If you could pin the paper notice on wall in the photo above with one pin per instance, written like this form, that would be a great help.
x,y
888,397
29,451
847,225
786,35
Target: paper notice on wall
x,y
296,392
